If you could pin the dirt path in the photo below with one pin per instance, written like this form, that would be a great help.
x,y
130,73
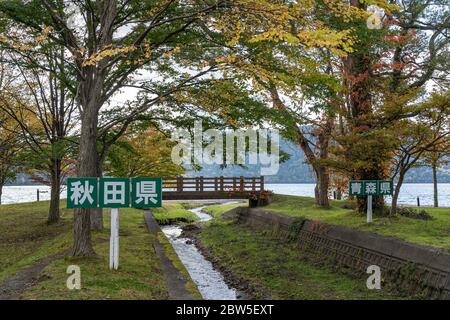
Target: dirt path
x,y
13,287
175,281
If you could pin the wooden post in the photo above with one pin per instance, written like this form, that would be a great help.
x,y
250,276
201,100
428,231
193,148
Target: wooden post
x,y
241,184
221,183
234,183
262,183
179,184
418,201
201,183
37,195
216,186
196,184
253,184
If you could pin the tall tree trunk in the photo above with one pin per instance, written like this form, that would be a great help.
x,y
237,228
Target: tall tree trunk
x,y
55,192
435,186
97,213
91,98
321,172
322,186
338,194
397,193
87,167
357,68
323,176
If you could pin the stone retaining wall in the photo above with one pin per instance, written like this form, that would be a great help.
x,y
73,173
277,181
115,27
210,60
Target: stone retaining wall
x,y
416,269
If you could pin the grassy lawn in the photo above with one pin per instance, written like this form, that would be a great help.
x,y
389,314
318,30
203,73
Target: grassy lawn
x,y
435,232
277,269
173,212
217,209
25,238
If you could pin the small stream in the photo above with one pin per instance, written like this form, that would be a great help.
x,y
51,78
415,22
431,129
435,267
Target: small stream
x,y
209,281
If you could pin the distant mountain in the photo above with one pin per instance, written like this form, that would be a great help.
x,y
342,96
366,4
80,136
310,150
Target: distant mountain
x,y
22,179
295,170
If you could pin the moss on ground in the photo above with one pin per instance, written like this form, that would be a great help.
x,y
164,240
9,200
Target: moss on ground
x,y
434,232
173,212
278,268
216,210
281,269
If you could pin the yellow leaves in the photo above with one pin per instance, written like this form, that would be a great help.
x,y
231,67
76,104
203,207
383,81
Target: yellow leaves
x,y
44,36
107,53
172,52
276,34
26,41
236,34
227,60
150,155
292,23
15,108
247,18
344,10
339,43
147,51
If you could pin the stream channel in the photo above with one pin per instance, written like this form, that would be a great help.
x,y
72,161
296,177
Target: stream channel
x,y
209,281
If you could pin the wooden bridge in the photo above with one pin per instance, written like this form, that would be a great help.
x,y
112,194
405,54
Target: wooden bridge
x,y
199,188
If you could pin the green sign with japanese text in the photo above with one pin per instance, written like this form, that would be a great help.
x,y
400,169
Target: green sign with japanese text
x,y
371,187
114,192
147,192
82,193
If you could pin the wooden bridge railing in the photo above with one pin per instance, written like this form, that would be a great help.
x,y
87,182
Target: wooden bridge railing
x,y
215,184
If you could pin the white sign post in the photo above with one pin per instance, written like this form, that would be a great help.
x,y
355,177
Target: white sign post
x,y
369,209
370,188
114,193
114,240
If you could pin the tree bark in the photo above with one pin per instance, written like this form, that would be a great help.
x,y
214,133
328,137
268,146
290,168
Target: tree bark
x,y
322,186
55,192
357,68
396,194
338,194
435,186
87,167
91,99
321,172
323,140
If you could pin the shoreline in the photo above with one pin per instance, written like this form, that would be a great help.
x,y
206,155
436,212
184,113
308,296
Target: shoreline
x,y
412,206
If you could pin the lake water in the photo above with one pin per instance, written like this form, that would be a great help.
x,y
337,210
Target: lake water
x,y
18,194
408,195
